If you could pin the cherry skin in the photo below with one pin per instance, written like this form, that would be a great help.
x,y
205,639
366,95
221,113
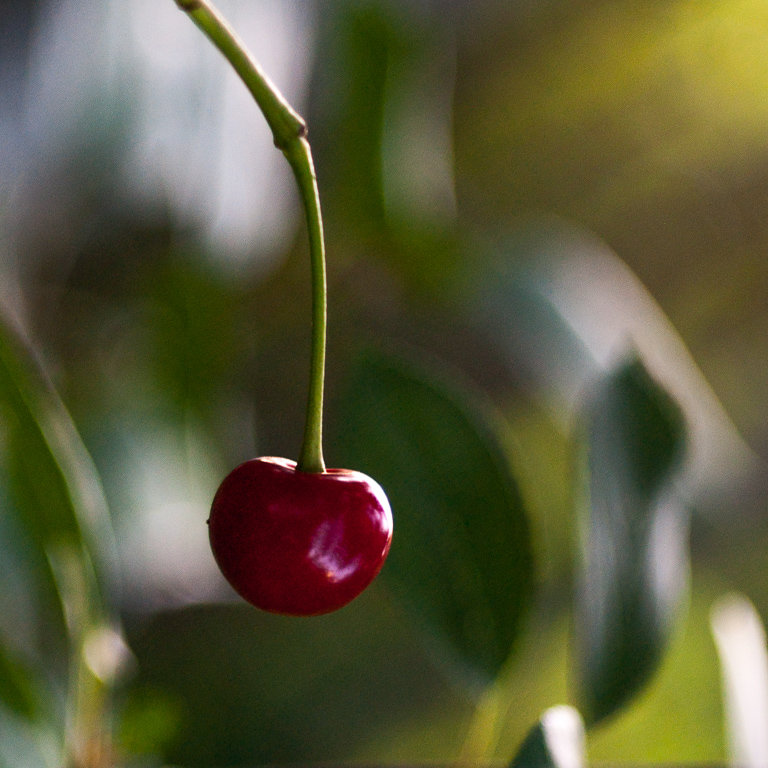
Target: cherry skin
x,y
299,543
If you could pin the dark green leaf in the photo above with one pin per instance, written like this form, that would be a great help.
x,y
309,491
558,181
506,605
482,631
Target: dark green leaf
x,y
281,691
635,536
461,556
556,741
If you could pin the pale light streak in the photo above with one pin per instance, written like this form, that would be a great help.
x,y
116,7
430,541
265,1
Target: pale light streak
x,y
741,644
564,735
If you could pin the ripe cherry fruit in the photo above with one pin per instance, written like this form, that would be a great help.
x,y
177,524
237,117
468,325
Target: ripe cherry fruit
x,y
289,540
299,543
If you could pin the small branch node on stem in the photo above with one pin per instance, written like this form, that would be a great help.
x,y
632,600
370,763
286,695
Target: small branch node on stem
x,y
189,5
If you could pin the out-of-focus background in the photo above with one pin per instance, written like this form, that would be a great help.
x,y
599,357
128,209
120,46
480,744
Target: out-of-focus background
x,y
513,193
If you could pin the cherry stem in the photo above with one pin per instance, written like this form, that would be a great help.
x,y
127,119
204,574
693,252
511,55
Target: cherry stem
x,y
290,135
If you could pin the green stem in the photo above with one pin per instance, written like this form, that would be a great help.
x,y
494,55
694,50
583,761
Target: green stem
x,y
289,131
300,158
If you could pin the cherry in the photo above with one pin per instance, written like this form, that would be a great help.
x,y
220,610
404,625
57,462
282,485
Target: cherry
x,y
297,539
299,543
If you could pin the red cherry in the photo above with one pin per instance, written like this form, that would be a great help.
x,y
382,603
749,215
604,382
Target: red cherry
x,y
299,543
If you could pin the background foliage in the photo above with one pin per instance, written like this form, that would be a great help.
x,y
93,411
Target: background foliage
x,y
548,340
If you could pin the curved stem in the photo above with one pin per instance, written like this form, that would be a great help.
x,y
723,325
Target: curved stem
x,y
300,158
289,131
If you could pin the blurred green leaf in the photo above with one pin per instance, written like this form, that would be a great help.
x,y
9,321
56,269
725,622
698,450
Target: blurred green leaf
x,y
149,722
356,76
17,689
461,555
52,486
556,741
64,538
191,337
635,536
